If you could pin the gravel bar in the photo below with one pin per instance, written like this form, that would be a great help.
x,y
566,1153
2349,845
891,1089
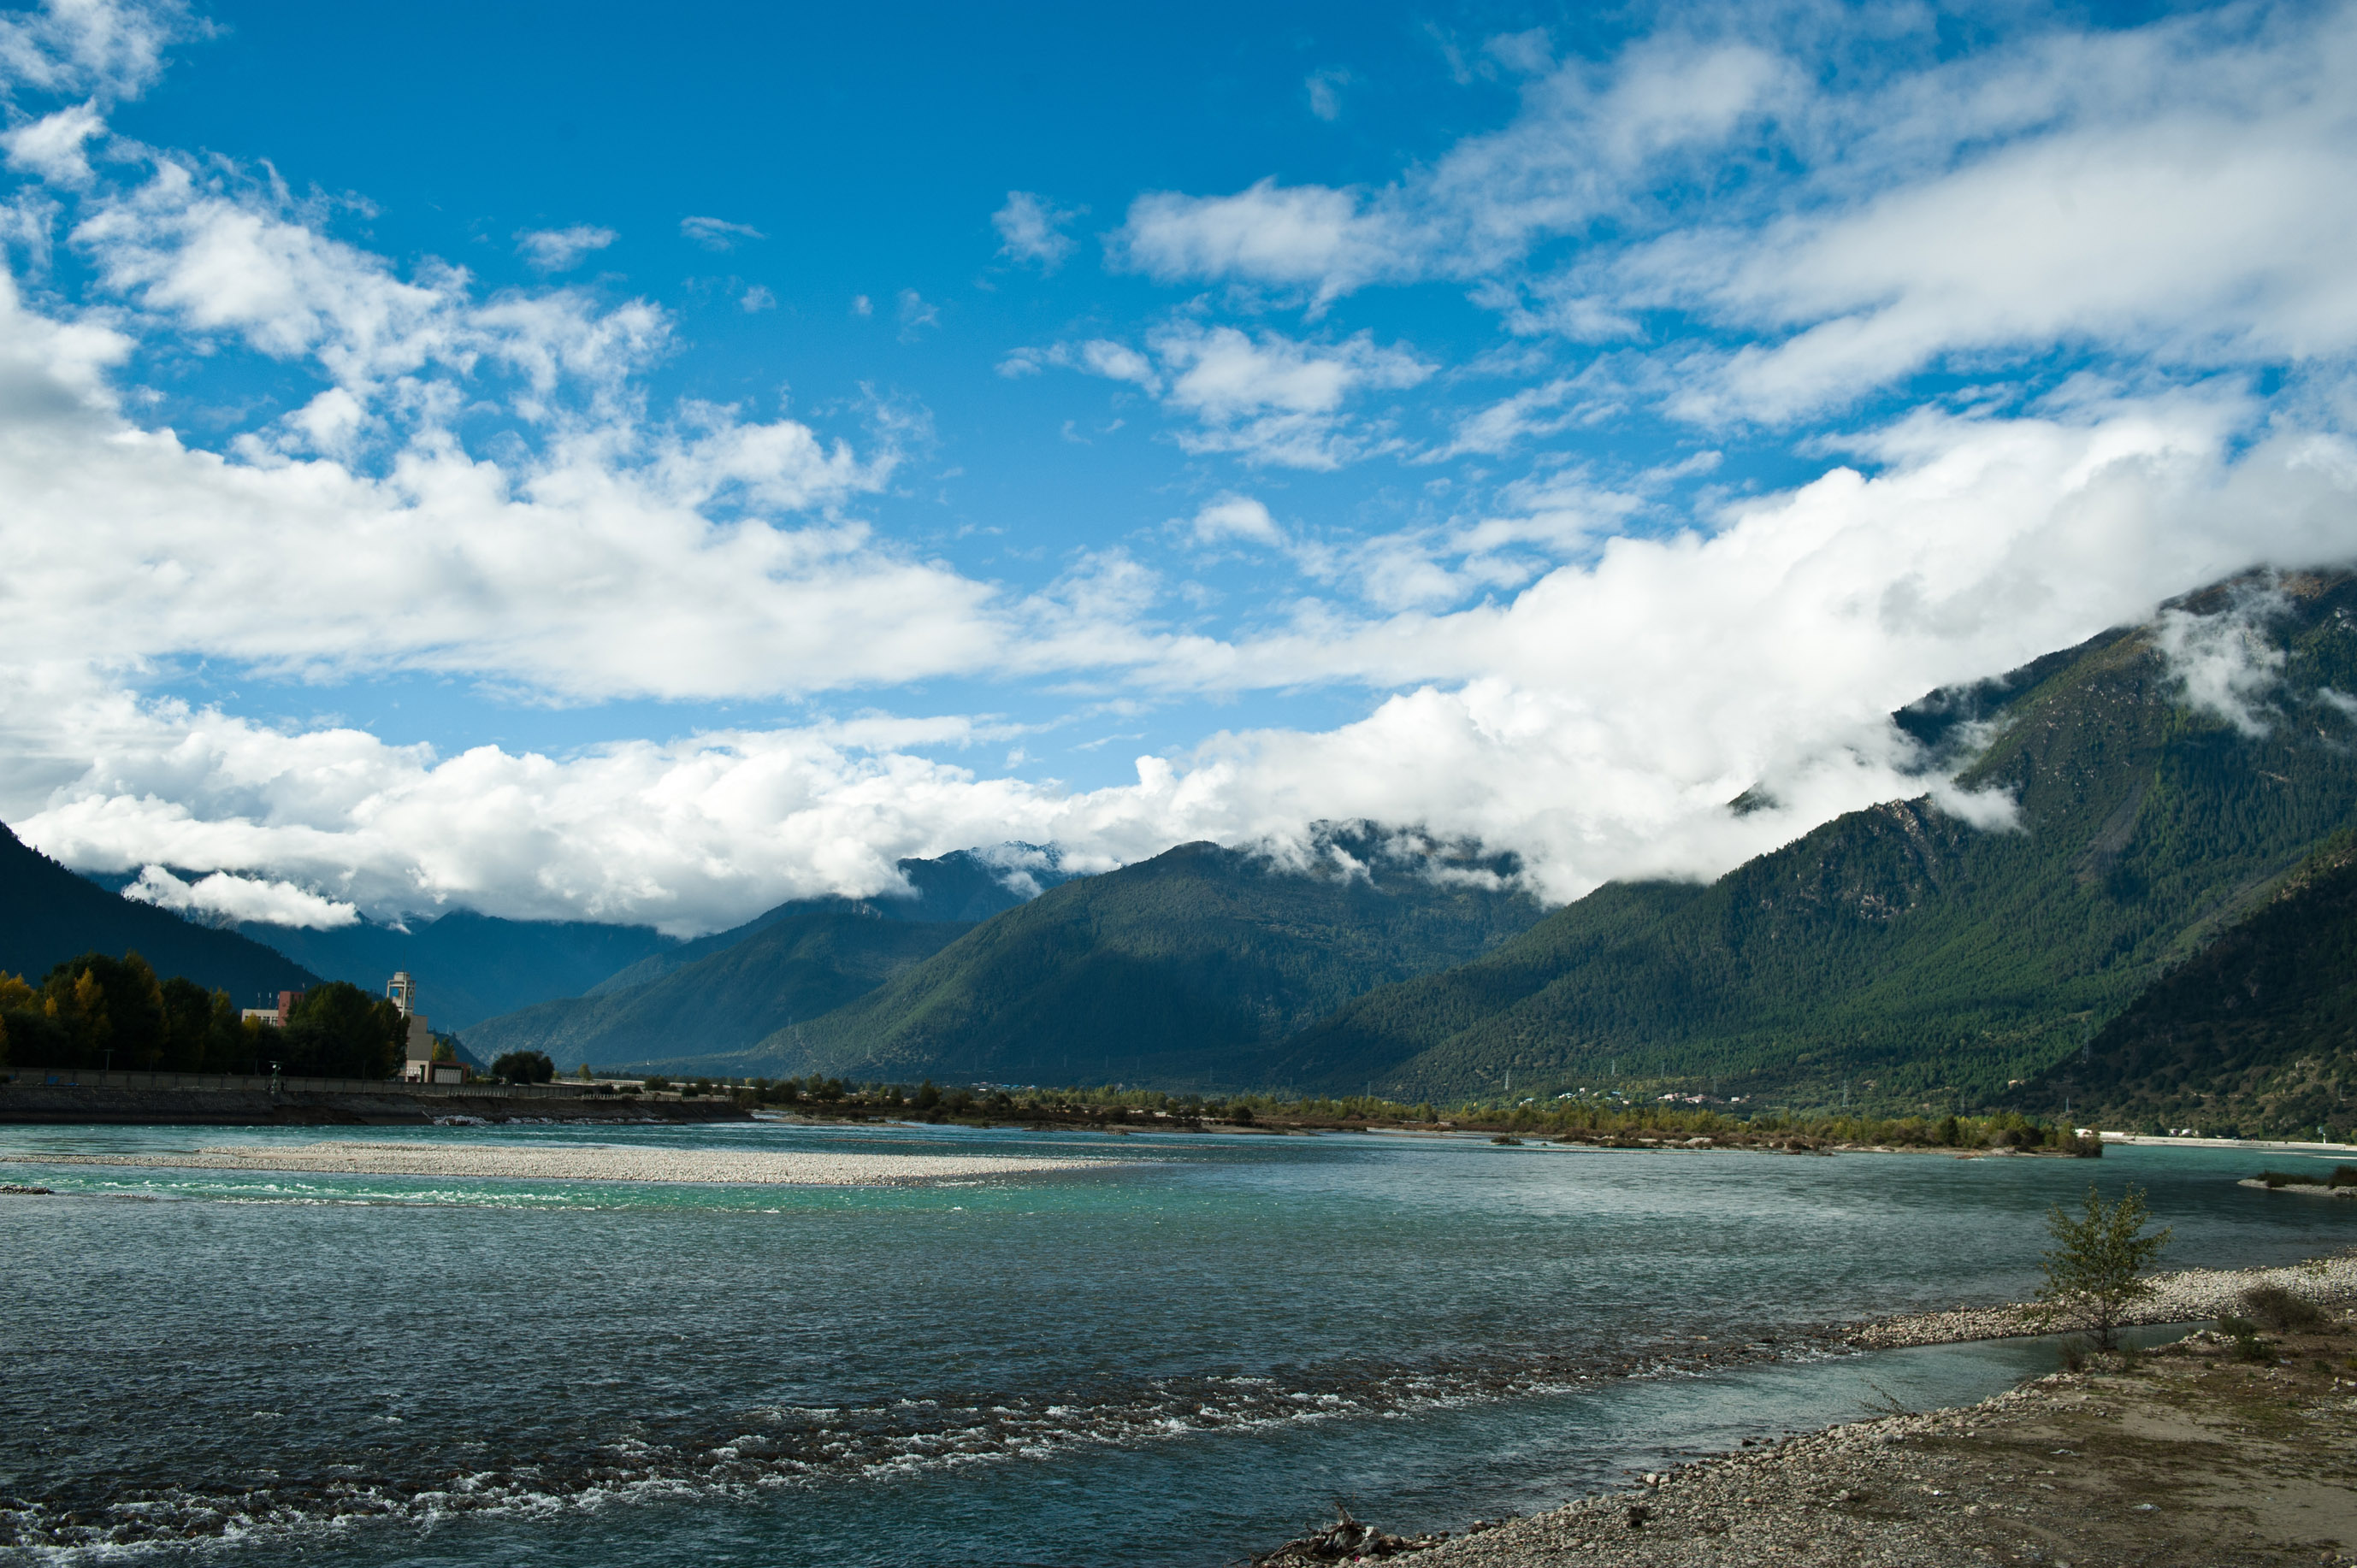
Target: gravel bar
x,y
589,1162
2190,1295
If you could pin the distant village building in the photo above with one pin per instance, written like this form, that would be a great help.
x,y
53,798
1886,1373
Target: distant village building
x,y
419,1066
273,1017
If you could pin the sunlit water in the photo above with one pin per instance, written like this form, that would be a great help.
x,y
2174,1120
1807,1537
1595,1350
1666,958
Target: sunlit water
x,y
1170,1361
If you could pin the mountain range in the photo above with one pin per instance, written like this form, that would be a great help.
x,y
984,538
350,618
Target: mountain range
x,y
2118,889
1899,954
707,1000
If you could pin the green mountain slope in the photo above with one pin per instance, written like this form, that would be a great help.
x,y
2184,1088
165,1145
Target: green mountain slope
x,y
1178,968
2255,1033
693,1005
789,970
1899,951
49,913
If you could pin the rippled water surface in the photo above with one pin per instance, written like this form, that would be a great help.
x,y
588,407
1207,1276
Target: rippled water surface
x,y
1171,1360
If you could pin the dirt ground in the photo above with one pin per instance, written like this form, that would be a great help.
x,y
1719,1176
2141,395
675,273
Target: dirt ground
x,y
2190,1456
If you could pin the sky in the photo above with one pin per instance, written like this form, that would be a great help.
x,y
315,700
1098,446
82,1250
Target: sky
x,y
570,462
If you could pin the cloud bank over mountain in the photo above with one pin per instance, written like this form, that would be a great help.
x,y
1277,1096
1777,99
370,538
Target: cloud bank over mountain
x,y
2012,343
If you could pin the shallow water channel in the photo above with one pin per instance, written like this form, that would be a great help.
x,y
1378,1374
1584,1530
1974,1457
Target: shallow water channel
x,y
1174,1360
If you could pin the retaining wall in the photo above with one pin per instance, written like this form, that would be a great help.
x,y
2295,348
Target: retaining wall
x,y
62,1095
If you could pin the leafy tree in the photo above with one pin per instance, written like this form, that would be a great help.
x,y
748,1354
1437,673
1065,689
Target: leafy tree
x,y
111,1010
2095,1272
525,1067
337,1030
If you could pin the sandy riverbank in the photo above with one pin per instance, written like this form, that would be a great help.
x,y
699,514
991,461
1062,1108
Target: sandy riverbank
x,y
584,1162
2185,1457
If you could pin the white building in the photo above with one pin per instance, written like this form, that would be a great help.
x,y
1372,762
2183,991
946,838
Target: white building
x,y
419,1066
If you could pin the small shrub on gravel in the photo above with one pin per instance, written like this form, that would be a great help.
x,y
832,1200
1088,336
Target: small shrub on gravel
x,y
2073,1352
2251,1348
2095,1274
2281,1310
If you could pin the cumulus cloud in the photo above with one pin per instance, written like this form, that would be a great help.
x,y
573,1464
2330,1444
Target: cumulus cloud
x,y
1269,399
2176,190
225,897
1598,719
1234,517
100,47
718,233
54,146
561,250
1030,228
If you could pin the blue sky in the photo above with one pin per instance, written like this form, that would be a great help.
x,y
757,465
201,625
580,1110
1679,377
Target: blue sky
x,y
559,462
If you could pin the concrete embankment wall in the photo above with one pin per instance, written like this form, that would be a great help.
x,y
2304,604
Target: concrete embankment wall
x,y
59,1097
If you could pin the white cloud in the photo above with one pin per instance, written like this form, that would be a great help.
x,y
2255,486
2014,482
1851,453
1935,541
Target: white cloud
x,y
1270,399
1587,141
1119,362
615,551
95,46
1597,720
2225,662
2178,192
224,897
1030,228
1231,517
53,147
1325,88
561,250
718,233
917,314
1301,235
1273,400
756,299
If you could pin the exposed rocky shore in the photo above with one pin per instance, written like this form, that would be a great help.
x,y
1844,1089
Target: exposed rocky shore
x,y
2190,1296
2205,1454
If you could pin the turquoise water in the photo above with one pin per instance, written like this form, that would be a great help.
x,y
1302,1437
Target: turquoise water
x,y
1172,1361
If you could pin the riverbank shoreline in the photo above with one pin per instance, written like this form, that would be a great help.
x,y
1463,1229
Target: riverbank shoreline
x,y
577,1162
2197,1454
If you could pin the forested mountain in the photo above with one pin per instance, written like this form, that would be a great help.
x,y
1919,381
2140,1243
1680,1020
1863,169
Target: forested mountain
x,y
2255,1033
720,993
789,971
48,915
1899,951
1187,966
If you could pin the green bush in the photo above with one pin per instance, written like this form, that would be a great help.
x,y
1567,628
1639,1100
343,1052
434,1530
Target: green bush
x,y
2281,1309
525,1067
